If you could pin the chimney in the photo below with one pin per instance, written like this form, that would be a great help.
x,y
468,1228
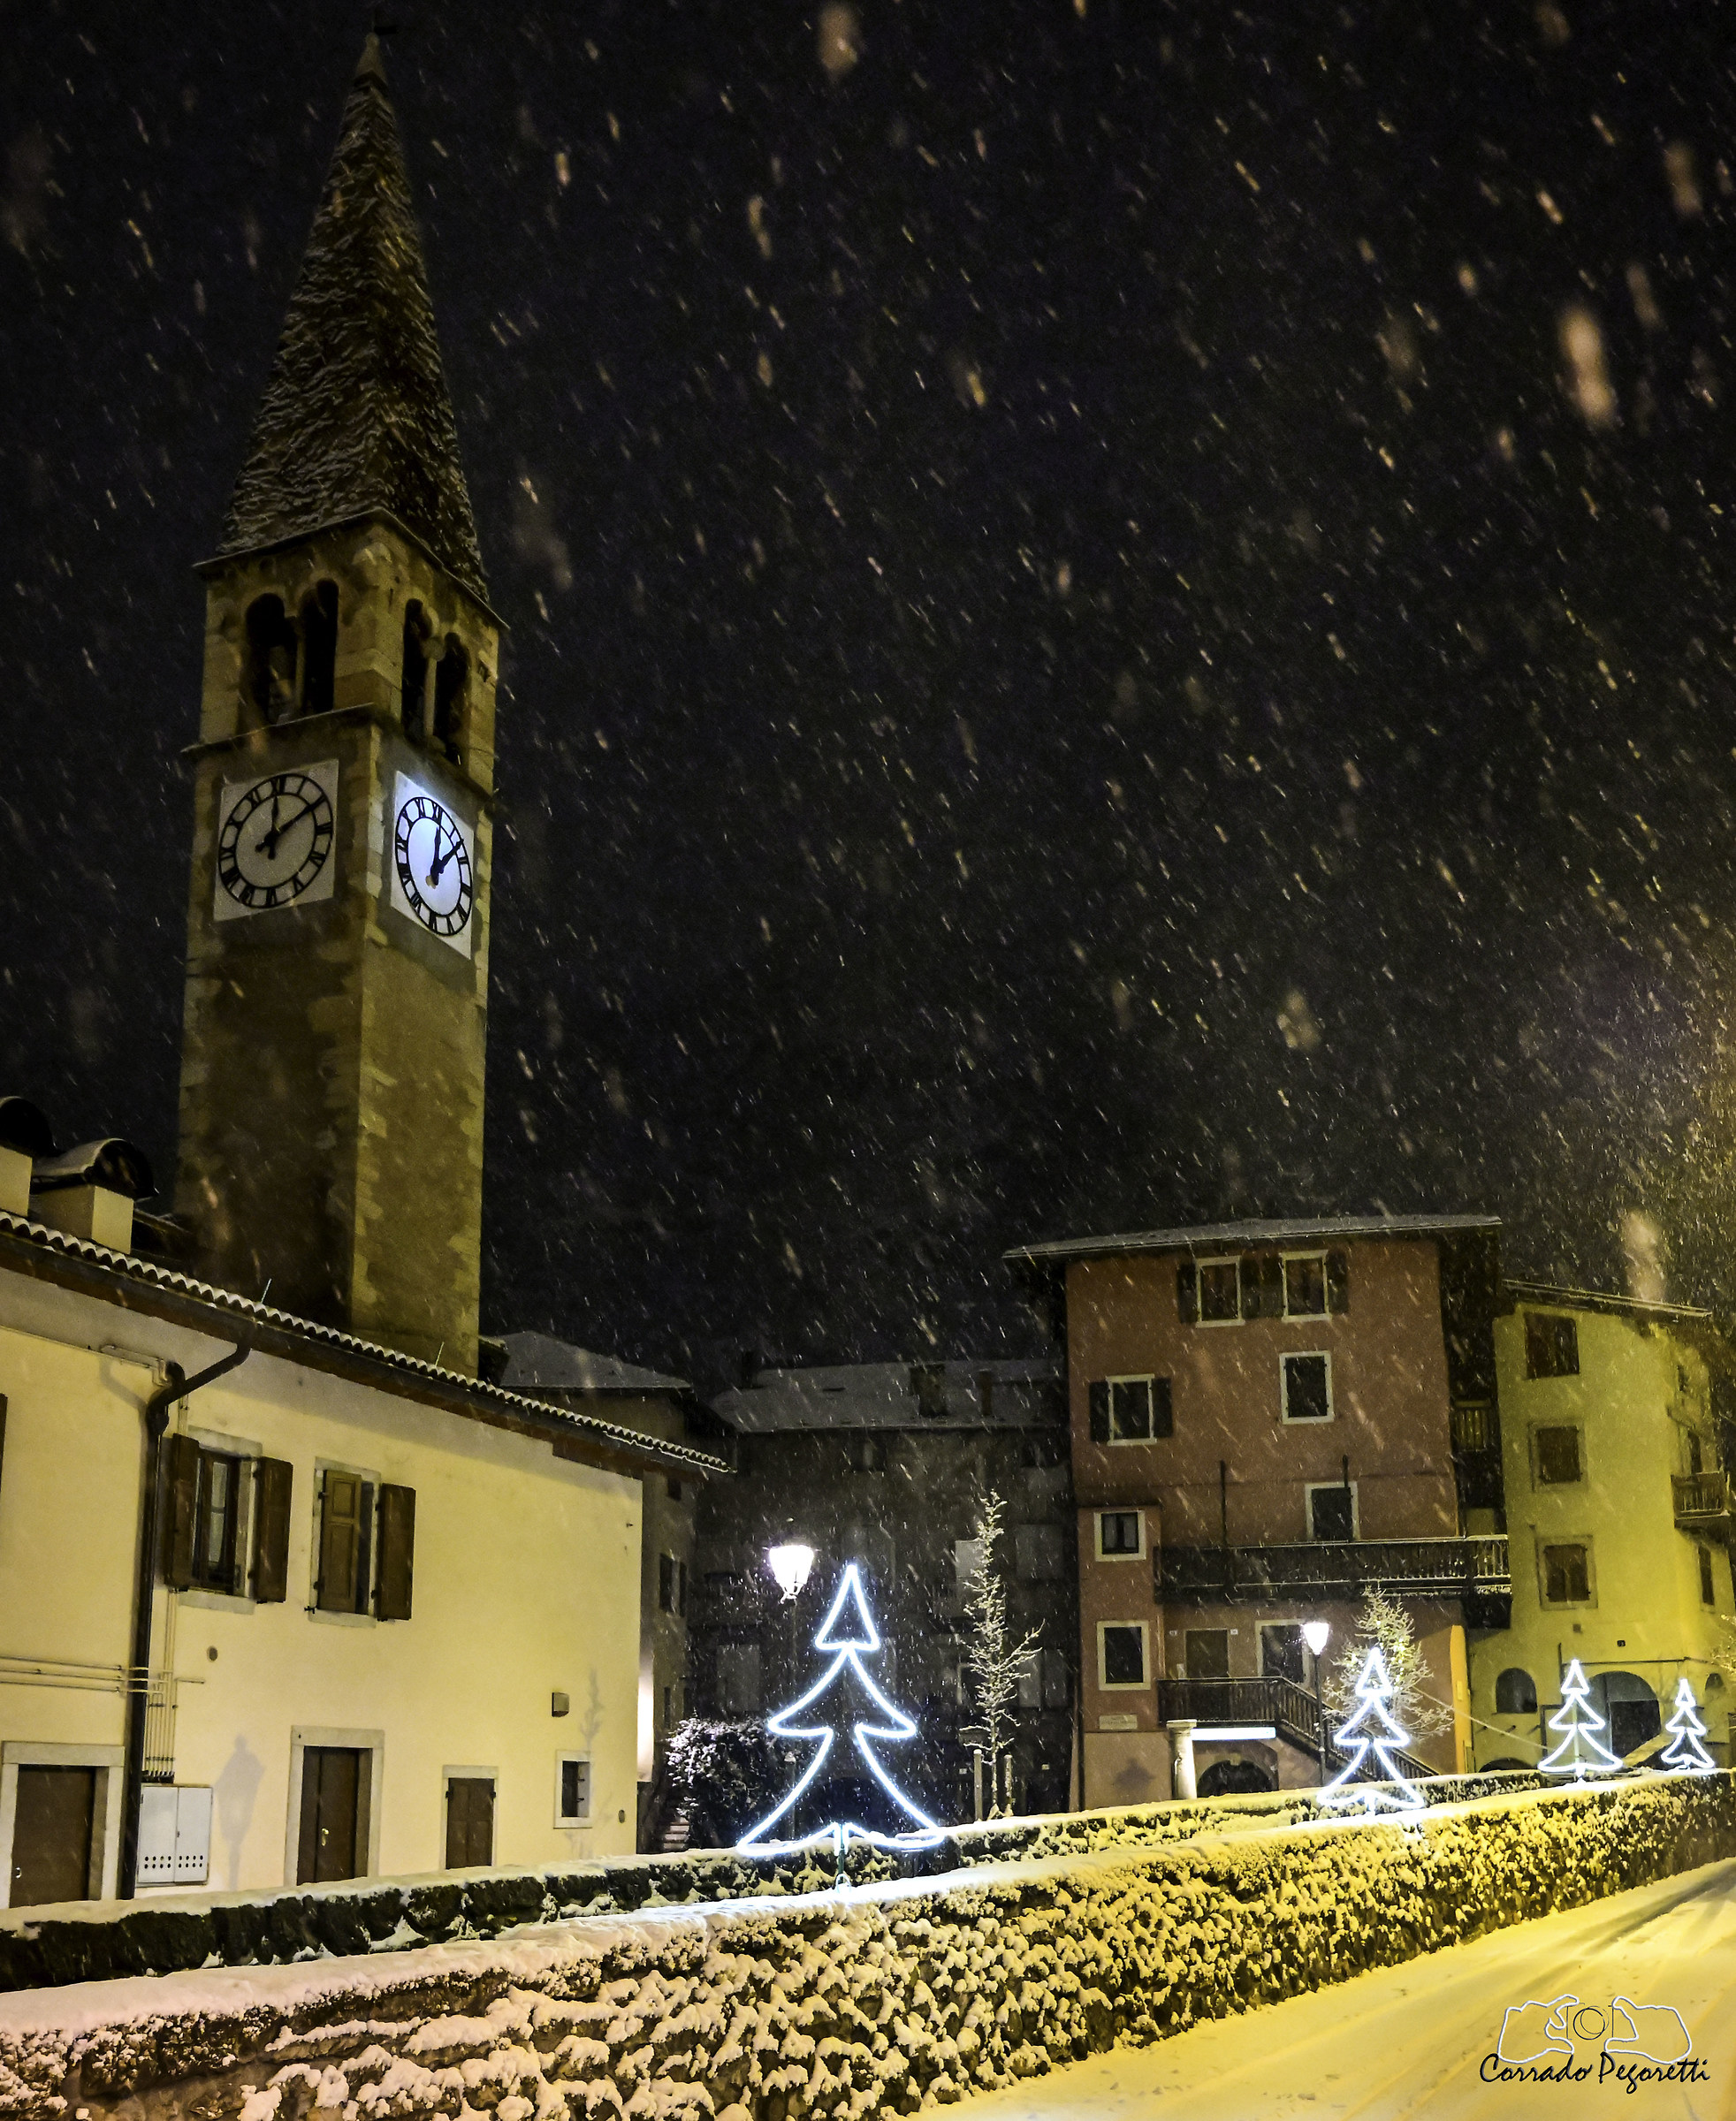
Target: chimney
x,y
89,1191
25,1134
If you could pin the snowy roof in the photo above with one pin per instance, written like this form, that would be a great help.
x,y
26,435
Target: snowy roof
x,y
1207,1237
357,419
537,1362
897,1396
1597,1299
145,1285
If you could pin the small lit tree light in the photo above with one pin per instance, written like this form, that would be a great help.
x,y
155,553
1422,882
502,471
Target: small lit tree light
x,y
791,1564
1686,1754
1577,1723
846,1635
1372,1729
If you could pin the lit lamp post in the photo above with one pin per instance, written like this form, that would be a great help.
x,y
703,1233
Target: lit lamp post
x,y
789,1564
1316,1634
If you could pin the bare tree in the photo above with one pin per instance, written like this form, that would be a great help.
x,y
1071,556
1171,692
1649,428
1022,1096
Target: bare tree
x,y
1382,1623
992,1658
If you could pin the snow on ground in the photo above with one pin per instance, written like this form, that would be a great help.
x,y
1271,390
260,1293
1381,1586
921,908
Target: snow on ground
x,y
1411,2040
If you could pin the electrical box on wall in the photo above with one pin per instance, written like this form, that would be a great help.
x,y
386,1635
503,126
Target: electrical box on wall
x,y
174,1835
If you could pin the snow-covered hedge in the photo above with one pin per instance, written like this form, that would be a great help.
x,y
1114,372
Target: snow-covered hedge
x,y
879,1999
94,1941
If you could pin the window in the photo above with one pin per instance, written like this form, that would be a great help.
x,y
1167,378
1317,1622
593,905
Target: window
x,y
1220,1292
1304,1286
319,636
1040,1554
1131,1410
1708,1596
1121,1653
738,1685
1558,1459
1696,1454
412,706
216,1517
270,679
1206,1653
866,1452
1307,1386
671,1584
1282,1653
675,1486
451,683
226,1529
1551,1345
1120,1535
364,1545
1332,1511
572,1790
1515,1693
1567,1571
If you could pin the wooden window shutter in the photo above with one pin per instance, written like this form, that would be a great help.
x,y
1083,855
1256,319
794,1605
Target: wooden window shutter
x,y
2,1439
1187,1292
273,1483
1263,1286
1339,1281
180,1513
1163,1409
1099,1410
339,1537
398,1540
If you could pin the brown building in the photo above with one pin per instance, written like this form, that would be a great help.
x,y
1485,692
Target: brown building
x,y
1267,1418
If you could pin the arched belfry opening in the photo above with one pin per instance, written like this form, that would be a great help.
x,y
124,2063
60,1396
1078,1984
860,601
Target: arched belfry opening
x,y
319,647
452,689
268,685
414,692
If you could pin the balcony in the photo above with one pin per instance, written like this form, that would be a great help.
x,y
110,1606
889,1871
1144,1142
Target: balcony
x,y
1701,1502
1236,1703
1473,1569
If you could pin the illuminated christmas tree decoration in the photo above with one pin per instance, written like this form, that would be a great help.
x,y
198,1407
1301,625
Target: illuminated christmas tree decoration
x,y
1686,1754
1372,1730
847,1632
1577,1723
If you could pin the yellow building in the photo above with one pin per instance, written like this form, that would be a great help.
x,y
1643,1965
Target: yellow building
x,y
395,1618
1618,1518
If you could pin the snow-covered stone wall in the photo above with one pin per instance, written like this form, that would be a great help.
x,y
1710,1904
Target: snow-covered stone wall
x,y
878,1998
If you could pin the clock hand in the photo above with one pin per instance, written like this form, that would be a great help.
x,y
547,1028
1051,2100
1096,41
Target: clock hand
x,y
269,844
441,859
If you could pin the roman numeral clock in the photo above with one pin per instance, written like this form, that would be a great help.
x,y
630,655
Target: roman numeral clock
x,y
274,840
432,856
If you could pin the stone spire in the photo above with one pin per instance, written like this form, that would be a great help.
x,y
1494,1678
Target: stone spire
x,y
356,417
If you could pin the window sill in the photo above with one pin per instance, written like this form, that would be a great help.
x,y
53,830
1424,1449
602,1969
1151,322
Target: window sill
x,y
216,1601
341,1620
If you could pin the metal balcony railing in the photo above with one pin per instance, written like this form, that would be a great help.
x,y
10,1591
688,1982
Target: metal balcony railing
x,y
1702,1501
1291,1710
1444,1567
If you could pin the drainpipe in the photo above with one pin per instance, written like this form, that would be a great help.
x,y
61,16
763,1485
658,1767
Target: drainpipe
x,y
178,1384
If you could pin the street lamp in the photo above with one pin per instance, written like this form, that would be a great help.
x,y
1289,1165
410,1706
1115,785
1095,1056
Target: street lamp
x,y
1316,1634
790,1565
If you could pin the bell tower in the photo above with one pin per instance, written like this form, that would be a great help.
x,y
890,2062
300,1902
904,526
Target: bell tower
x,y
337,928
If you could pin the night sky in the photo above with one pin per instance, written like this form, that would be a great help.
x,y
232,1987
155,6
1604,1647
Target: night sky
x,y
1120,613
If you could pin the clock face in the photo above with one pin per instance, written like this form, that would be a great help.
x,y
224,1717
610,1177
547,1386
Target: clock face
x,y
274,839
431,865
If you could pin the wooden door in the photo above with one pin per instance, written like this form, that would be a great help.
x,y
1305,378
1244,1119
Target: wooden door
x,y
51,1834
469,1822
334,1813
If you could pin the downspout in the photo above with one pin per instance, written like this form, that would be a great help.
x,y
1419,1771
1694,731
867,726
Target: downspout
x,y
177,1386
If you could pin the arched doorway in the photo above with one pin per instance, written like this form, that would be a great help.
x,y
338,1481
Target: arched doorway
x,y
1233,1778
1630,1708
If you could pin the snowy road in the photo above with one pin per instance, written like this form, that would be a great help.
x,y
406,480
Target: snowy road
x,y
1411,2039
